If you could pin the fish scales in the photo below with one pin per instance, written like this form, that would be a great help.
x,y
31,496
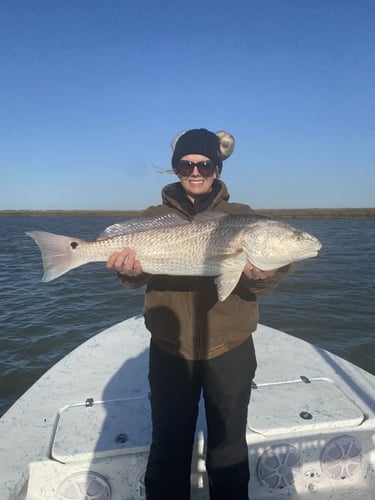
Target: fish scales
x,y
211,245
193,251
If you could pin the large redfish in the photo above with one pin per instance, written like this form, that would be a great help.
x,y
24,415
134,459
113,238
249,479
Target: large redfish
x,y
210,245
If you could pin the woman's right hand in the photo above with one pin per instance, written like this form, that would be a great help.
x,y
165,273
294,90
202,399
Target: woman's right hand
x,y
125,262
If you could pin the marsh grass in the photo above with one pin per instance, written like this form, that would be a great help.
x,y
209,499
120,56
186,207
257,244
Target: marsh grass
x,y
283,213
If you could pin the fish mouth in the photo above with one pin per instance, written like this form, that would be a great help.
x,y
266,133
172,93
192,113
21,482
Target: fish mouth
x,y
313,247
312,253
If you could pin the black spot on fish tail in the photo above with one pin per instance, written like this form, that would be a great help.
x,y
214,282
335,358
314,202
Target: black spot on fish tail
x,y
74,245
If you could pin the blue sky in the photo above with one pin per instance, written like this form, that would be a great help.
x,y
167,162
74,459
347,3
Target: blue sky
x,y
92,93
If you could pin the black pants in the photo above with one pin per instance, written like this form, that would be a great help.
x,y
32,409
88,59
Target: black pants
x,y
176,386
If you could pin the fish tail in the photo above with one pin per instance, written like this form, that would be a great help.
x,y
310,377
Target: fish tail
x,y
59,253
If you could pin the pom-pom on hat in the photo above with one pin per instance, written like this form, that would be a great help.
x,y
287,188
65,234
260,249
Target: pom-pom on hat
x,y
216,146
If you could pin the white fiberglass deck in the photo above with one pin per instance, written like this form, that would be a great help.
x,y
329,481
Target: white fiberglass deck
x,y
84,428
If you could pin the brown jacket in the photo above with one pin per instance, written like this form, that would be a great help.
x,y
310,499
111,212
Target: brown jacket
x,y
183,313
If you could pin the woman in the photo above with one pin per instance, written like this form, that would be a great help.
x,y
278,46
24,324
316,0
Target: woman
x,y
198,344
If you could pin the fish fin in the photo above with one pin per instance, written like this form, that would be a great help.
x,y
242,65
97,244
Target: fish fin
x,y
139,224
58,253
226,283
209,215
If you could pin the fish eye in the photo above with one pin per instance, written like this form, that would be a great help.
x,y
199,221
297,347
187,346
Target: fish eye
x,y
298,235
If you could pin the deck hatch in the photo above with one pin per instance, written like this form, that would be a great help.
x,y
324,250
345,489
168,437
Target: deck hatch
x,y
295,406
101,429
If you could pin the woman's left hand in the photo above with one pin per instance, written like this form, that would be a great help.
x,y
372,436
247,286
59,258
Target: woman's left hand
x,y
253,273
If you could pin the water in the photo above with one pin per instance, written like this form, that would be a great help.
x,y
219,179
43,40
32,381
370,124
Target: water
x,y
329,300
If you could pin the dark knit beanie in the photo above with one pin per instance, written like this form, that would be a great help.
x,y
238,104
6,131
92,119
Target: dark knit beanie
x,y
198,141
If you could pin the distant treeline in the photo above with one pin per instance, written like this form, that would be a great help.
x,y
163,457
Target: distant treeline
x,y
283,213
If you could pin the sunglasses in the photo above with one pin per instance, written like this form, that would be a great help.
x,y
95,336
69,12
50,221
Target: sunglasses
x,y
185,168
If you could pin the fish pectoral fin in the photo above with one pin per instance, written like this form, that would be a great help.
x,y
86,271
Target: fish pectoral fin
x,y
226,283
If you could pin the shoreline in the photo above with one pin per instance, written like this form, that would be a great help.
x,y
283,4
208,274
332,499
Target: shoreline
x,y
285,213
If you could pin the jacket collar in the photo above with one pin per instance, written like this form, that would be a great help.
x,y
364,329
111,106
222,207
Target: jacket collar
x,y
175,196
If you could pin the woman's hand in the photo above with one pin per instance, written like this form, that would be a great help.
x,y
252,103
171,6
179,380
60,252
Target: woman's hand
x,y
125,262
253,273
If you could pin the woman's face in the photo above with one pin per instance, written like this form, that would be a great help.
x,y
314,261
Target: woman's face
x,y
195,183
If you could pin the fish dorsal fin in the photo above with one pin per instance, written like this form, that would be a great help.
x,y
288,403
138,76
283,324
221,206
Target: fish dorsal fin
x,y
230,218
209,215
139,224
